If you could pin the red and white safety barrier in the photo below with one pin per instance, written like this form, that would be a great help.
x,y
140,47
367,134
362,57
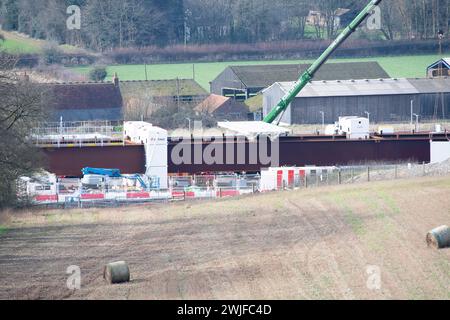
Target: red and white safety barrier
x,y
46,198
92,196
143,195
138,195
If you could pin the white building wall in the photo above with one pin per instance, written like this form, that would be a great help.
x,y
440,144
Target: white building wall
x,y
271,97
155,142
440,151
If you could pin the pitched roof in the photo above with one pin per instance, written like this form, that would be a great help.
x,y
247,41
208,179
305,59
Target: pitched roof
x,y
84,95
211,103
353,88
445,61
162,88
262,76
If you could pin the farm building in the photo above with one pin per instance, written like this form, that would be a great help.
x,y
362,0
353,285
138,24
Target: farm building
x,y
342,17
387,100
440,68
243,82
163,91
85,101
223,108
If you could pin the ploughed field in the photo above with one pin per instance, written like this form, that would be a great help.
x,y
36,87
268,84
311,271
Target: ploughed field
x,y
363,241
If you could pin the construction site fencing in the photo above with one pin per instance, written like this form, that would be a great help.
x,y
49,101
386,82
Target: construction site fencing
x,y
364,174
72,194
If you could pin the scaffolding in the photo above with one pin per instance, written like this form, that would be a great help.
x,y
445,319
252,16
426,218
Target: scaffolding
x,y
82,133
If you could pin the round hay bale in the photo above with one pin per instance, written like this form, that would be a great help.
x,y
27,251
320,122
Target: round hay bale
x,y
439,238
116,272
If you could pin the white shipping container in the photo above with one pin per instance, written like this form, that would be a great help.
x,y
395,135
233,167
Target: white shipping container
x,y
354,127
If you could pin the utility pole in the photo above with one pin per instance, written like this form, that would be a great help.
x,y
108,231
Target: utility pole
x,y
193,71
323,121
440,38
146,75
178,94
417,122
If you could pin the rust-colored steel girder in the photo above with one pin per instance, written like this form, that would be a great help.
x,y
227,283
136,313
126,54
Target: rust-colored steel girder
x,y
293,151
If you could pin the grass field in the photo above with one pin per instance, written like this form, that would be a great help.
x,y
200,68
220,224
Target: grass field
x,y
21,44
16,44
311,244
396,67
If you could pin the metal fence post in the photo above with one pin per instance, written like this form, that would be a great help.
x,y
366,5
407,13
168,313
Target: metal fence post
x,y
339,177
306,181
368,174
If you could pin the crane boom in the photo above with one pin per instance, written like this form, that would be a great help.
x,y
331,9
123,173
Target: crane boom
x,y
308,75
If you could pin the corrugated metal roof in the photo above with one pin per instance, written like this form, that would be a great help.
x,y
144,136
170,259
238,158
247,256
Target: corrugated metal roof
x,y
432,85
353,88
262,76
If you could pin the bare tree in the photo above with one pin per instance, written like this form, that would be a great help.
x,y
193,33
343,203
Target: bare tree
x,y
391,22
21,107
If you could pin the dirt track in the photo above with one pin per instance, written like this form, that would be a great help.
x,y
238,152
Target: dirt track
x,y
294,245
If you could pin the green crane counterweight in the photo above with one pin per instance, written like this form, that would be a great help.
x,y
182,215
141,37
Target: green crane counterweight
x,y
308,75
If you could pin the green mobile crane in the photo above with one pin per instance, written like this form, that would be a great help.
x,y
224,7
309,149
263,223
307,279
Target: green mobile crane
x,y
308,75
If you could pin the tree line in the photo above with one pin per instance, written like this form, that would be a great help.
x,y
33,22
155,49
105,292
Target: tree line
x,y
111,24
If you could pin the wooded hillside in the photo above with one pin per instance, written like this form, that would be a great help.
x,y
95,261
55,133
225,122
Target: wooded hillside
x,y
110,24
